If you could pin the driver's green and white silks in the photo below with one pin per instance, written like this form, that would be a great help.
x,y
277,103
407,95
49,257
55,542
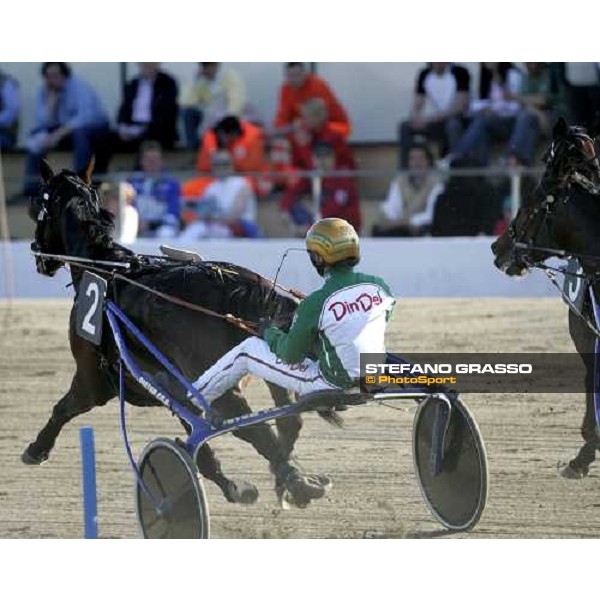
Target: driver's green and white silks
x,y
335,324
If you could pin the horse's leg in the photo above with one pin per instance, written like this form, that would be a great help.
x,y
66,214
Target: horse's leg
x,y
262,437
584,341
75,402
210,468
288,429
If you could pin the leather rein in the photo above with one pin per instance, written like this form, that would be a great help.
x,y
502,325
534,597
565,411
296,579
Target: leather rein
x,y
250,327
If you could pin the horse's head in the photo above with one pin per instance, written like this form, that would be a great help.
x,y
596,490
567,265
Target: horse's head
x,y
570,160
69,219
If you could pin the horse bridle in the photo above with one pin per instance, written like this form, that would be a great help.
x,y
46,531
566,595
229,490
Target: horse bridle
x,y
44,213
545,211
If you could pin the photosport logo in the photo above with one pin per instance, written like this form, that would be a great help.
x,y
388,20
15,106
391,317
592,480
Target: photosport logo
x,y
475,373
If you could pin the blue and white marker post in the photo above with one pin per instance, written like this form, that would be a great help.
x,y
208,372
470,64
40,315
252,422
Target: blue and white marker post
x,y
88,466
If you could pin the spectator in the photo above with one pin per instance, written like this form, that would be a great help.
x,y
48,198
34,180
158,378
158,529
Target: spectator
x,y
496,115
280,174
534,94
539,97
9,111
459,210
446,88
583,91
228,207
216,93
157,195
243,141
300,87
148,110
314,128
411,200
338,196
119,199
68,115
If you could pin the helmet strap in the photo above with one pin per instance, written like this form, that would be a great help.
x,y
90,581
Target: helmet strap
x,y
318,263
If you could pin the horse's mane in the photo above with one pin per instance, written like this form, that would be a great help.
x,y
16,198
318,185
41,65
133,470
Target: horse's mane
x,y
224,287
97,222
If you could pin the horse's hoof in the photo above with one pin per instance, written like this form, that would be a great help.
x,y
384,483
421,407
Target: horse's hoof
x,y
304,488
568,471
31,457
241,492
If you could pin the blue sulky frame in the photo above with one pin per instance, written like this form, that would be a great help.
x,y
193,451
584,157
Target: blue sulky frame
x,y
428,457
202,428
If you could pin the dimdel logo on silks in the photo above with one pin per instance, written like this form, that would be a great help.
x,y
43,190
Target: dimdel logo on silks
x,y
363,303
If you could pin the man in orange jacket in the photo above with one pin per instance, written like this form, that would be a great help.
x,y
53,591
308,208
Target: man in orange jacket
x,y
243,140
300,87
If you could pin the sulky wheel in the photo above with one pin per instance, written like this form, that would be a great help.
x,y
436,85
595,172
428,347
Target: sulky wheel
x,y
450,462
170,498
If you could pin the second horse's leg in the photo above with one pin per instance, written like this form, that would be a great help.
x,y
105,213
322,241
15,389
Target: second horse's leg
x,y
262,437
288,429
209,466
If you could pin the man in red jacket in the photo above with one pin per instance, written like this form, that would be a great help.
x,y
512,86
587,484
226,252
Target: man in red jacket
x,y
300,87
315,128
337,196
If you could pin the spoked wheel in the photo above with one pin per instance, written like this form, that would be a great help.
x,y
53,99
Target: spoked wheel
x,y
173,505
450,463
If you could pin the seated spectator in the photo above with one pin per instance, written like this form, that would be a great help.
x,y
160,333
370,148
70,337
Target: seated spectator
x,y
157,195
582,82
228,206
215,93
445,87
539,97
9,111
280,174
496,115
460,211
531,97
119,199
192,192
300,87
337,196
411,200
68,115
148,110
314,128
243,141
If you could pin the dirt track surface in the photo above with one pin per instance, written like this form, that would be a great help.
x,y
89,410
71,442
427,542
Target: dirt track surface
x,y
375,491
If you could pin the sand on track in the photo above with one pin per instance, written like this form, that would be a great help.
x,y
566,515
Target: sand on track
x,y
375,490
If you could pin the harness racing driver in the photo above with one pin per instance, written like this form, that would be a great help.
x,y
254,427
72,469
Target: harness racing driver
x,y
330,329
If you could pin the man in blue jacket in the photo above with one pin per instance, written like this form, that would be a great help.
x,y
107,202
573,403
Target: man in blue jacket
x,y
157,195
68,114
9,111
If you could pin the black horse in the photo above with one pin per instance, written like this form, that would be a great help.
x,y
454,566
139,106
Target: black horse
x,y
71,222
562,218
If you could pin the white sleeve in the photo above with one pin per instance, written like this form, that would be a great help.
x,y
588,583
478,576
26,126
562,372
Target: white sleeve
x,y
129,225
393,207
426,217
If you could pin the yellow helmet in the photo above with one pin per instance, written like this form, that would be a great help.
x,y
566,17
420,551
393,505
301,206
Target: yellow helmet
x,y
331,241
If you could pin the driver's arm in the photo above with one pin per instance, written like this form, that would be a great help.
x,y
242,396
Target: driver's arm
x,y
293,346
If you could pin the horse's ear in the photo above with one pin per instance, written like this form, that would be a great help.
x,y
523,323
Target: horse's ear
x,y
46,171
560,129
87,174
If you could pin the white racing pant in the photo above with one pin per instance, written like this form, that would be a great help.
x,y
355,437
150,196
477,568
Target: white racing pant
x,y
254,356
